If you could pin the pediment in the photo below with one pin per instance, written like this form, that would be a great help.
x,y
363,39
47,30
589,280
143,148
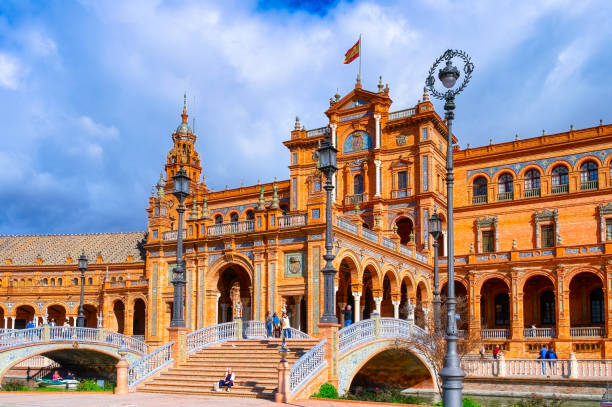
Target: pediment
x,y
356,99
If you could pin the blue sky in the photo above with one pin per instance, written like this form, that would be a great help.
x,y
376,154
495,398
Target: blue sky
x,y
90,90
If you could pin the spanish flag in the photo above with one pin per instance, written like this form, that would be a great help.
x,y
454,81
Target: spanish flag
x,y
353,53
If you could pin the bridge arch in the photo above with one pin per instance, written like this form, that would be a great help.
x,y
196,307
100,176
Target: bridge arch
x,y
355,360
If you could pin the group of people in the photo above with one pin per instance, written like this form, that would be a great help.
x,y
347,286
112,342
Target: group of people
x,y
32,323
276,326
547,354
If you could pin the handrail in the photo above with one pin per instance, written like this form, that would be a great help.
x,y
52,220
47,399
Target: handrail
x,y
307,366
254,330
150,364
297,334
288,221
231,228
210,335
354,334
20,337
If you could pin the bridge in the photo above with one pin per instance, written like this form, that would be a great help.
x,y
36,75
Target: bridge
x,y
68,345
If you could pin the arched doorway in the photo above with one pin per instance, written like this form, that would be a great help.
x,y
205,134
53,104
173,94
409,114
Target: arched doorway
x,y
234,285
139,319
23,314
91,316
539,305
344,295
405,230
2,315
406,297
461,306
371,288
587,305
389,294
494,305
56,314
421,311
119,312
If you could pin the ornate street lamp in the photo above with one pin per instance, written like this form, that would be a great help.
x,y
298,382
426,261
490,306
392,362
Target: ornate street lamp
x,y
452,374
81,322
327,165
435,229
181,191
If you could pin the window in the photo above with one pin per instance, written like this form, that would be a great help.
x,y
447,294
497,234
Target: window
x,y
425,134
502,309
608,229
559,175
358,184
317,185
155,234
425,173
294,158
488,241
506,183
90,281
294,188
532,179
250,215
315,214
218,219
588,172
190,230
480,186
548,235
234,217
597,306
547,307
402,180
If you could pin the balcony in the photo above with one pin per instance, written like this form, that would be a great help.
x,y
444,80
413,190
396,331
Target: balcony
x,y
560,189
401,114
400,193
494,333
172,235
221,229
505,196
478,199
588,331
355,199
291,221
539,333
589,185
532,193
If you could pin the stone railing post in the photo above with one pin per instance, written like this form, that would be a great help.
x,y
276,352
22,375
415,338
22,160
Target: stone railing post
x,y
101,335
122,377
502,365
573,366
329,331
46,333
178,335
376,318
238,333
283,395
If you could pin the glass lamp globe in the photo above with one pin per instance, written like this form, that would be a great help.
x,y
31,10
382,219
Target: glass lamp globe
x,y
449,75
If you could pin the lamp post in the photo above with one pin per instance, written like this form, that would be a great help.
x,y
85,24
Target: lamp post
x,y
435,229
452,374
181,191
327,165
81,322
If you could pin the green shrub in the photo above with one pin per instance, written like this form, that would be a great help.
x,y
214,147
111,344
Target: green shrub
x,y
15,386
88,385
538,401
327,391
468,402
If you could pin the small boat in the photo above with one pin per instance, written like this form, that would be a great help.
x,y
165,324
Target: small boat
x,y
58,384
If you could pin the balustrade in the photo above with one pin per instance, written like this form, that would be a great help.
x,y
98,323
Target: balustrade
x,y
221,229
355,199
211,335
531,193
589,185
478,199
289,221
150,364
560,189
368,234
495,333
172,235
538,333
307,366
505,196
594,368
254,329
587,331
557,368
401,114
400,193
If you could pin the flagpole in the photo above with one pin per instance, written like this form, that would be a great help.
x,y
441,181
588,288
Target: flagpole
x,y
360,57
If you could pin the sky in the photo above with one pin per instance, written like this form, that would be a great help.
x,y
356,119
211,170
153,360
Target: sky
x,y
91,90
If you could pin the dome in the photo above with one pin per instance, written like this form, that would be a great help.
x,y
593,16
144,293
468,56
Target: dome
x,y
183,128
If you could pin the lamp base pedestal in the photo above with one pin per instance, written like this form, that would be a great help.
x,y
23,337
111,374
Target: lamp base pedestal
x,y
329,331
178,335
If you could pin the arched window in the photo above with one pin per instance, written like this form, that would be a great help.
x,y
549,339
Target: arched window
x,y
90,281
75,281
234,217
480,186
59,281
44,282
218,219
547,307
588,171
506,183
250,215
559,175
52,282
532,180
597,306
502,309
358,184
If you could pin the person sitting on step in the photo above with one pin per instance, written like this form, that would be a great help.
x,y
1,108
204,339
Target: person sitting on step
x,y
228,381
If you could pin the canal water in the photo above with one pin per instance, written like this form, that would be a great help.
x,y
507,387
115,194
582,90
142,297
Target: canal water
x,y
488,401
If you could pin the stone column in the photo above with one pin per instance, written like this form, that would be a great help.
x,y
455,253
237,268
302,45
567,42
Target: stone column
x,y
378,164
342,306
298,312
378,300
410,317
122,377
283,394
396,304
223,312
333,127
357,308
377,124
217,309
13,322
5,322
426,318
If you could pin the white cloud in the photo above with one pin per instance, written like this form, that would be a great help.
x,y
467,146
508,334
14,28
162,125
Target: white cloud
x,y
11,71
97,130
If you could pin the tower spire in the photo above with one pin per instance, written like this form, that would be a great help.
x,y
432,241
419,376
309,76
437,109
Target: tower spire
x,y
184,115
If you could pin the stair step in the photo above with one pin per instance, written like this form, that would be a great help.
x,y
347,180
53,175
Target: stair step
x,y
232,393
264,382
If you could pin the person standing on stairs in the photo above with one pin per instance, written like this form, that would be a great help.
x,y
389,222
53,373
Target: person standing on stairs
x,y
276,321
228,381
286,326
269,325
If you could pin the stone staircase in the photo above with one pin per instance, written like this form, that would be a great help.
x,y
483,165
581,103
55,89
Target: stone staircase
x,y
253,361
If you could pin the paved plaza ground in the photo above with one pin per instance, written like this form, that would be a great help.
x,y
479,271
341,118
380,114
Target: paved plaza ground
x,y
19,399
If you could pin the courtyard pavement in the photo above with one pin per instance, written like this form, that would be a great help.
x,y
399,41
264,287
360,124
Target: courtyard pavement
x,y
21,399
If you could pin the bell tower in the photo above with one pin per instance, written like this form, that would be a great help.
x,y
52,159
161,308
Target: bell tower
x,y
183,152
